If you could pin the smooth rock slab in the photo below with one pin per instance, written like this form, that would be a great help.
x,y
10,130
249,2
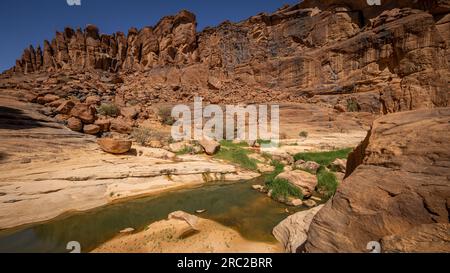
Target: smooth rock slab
x,y
292,232
304,181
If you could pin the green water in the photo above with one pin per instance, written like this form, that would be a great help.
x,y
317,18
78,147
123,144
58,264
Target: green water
x,y
234,205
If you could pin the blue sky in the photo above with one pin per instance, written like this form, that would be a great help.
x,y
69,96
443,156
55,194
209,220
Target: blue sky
x,y
25,22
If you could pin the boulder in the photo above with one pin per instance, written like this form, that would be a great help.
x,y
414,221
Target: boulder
x,y
178,147
61,118
264,168
121,126
155,144
127,230
210,146
339,165
284,158
93,100
192,220
104,124
114,146
397,181
47,99
84,112
65,107
75,124
130,112
91,129
310,166
310,203
297,202
292,232
302,180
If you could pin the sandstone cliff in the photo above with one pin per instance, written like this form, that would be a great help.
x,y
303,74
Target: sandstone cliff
x,y
399,195
382,59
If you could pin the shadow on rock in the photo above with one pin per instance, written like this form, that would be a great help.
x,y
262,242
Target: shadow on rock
x,y
3,156
15,119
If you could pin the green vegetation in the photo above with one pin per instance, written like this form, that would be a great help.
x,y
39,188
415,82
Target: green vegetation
x,y
303,134
165,114
230,144
282,189
328,182
352,106
108,109
279,167
186,150
323,158
236,153
263,141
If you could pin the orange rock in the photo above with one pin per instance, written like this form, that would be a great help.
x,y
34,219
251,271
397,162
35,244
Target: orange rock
x,y
114,146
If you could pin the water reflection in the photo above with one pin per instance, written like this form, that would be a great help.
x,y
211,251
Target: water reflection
x,y
235,205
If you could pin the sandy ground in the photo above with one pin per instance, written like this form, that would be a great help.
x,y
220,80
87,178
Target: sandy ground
x,y
176,236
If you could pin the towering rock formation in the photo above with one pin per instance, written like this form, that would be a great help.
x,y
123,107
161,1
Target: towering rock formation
x,y
387,58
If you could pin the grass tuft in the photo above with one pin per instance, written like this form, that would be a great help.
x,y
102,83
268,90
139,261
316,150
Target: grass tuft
x,y
108,109
323,158
165,114
282,189
328,182
236,153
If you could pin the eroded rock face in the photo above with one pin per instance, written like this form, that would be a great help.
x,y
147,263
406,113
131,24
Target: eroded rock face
x,y
400,184
346,54
431,238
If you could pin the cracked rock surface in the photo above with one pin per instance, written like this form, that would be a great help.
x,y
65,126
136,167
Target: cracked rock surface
x,y
401,182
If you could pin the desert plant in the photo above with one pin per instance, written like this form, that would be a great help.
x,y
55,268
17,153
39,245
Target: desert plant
x,y
186,150
352,106
142,135
303,134
108,109
165,114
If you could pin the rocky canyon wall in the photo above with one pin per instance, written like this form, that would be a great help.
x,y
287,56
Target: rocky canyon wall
x,y
387,58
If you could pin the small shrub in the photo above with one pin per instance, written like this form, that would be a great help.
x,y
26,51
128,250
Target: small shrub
x,y
353,106
108,109
186,150
166,116
303,134
328,182
142,135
